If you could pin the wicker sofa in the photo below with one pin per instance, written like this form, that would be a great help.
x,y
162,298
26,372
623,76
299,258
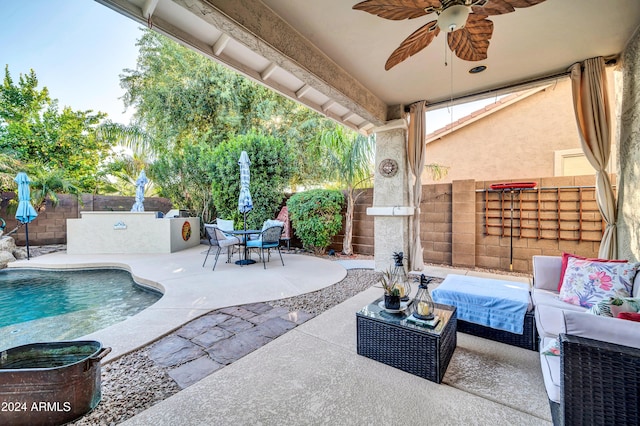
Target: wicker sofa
x,y
596,378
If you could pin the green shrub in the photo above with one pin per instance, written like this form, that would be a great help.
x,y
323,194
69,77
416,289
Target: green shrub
x,y
272,165
315,216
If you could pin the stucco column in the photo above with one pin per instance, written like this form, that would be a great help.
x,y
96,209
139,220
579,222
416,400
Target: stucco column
x,y
391,200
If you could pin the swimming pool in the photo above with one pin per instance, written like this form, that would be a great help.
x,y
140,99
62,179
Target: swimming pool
x,y
45,305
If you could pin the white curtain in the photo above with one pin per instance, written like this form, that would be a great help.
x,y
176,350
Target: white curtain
x,y
416,156
591,106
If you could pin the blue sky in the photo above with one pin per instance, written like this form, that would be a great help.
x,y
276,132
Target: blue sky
x,y
76,47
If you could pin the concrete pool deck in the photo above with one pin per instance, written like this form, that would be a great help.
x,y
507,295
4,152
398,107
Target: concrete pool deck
x,y
191,290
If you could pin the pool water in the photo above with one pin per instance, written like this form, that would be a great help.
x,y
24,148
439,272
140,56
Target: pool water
x,y
38,306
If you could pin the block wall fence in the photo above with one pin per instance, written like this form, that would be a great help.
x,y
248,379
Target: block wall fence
x,y
466,224
462,223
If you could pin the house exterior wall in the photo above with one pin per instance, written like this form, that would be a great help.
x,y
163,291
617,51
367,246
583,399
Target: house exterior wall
x,y
519,139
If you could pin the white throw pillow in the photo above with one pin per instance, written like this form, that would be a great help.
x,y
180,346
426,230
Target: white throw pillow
x,y
225,225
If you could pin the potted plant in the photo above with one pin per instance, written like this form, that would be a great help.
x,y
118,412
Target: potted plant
x,y
391,291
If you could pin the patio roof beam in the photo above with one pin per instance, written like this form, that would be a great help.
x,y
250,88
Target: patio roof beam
x,y
268,71
149,7
327,105
220,44
303,91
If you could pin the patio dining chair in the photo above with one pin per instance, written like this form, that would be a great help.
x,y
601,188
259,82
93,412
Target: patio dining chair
x,y
218,239
269,238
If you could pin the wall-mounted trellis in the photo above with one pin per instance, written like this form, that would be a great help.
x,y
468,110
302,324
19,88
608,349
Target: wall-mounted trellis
x,y
562,213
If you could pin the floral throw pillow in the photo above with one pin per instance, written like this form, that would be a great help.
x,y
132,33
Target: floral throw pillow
x,y
613,306
565,260
552,348
586,282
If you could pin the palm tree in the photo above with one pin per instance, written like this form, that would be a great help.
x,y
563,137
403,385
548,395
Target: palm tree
x,y
46,184
137,154
349,158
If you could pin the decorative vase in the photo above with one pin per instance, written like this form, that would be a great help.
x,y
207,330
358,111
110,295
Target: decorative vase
x,y
391,301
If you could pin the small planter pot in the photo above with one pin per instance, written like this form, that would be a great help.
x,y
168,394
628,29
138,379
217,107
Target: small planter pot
x,y
391,302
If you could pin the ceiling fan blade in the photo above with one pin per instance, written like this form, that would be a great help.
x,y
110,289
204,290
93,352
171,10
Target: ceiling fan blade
x,y
472,42
500,7
413,44
397,10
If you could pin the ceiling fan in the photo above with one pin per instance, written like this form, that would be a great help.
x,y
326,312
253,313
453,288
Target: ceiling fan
x,y
465,22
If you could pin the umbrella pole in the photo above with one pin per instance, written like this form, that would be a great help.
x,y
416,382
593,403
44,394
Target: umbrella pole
x,y
26,228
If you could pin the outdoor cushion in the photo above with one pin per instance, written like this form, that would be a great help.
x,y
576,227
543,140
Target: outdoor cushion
x,y
612,330
565,260
225,225
546,270
550,319
586,282
270,222
550,366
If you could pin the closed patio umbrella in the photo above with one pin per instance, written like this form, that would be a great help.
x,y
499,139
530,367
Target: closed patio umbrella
x,y
245,204
140,183
25,213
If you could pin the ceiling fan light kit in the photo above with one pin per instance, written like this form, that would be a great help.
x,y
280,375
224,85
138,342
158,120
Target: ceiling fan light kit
x,y
453,18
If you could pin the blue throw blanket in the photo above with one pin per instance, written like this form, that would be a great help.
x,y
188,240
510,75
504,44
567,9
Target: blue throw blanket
x,y
493,303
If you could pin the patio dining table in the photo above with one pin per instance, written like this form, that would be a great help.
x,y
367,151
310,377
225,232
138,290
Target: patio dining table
x,y
245,233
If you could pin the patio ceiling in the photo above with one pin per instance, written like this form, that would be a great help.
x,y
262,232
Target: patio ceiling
x,y
331,58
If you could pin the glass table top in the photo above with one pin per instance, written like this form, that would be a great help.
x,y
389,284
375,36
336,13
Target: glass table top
x,y
376,311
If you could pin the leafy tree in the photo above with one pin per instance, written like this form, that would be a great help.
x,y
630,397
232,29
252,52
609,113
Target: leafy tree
x,y
184,176
349,159
315,216
272,164
34,130
183,98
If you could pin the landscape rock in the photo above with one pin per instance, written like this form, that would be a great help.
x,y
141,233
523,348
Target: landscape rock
x,y
7,244
5,258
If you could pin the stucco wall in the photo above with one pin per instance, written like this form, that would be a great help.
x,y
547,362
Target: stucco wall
x,y
518,140
50,227
629,154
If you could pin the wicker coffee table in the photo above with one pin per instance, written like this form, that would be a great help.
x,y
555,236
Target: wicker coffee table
x,y
390,339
